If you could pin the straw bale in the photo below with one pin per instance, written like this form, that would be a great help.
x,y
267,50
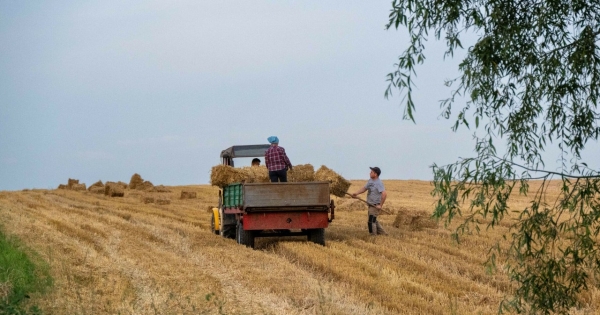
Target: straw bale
x,y
415,221
96,189
146,185
255,174
78,187
351,205
301,173
112,189
160,189
122,184
72,182
96,184
148,199
162,201
188,195
223,175
61,186
136,180
338,186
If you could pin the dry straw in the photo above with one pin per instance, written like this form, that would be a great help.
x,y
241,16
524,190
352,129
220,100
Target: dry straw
x,y
188,195
146,185
78,187
72,182
97,184
223,175
162,201
112,189
338,185
96,189
148,199
136,179
160,189
301,173
62,186
351,205
416,221
254,174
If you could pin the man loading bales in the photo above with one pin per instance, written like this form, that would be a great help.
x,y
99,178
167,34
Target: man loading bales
x,y
277,161
375,198
255,162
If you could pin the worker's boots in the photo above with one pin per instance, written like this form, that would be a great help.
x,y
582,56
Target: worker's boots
x,y
373,228
380,229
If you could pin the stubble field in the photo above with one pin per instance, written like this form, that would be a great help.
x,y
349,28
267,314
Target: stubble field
x,y
121,256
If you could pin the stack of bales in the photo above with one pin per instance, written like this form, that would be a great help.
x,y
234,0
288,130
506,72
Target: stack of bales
x,y
97,187
136,180
113,189
223,175
72,184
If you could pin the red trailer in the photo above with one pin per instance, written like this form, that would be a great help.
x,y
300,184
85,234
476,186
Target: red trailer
x,y
247,211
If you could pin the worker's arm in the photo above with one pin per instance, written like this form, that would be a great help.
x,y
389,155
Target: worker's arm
x,y
358,192
383,197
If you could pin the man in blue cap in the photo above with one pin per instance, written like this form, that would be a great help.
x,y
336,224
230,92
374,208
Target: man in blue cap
x,y
277,161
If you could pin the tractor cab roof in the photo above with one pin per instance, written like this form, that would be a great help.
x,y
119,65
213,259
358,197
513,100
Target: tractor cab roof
x,y
245,151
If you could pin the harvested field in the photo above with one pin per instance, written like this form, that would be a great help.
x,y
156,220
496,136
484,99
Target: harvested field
x,y
122,256
188,195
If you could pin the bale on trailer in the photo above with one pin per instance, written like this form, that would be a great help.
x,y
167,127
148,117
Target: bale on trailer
x,y
188,195
301,173
136,180
223,175
254,174
338,185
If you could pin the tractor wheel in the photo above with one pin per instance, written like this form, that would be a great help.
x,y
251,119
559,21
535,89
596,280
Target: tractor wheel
x,y
212,224
316,236
228,231
245,237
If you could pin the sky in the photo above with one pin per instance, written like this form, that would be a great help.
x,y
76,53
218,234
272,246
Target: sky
x,y
100,90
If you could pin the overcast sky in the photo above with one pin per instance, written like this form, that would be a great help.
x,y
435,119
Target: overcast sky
x,y
100,90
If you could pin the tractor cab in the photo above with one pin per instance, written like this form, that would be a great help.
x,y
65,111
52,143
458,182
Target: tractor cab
x,y
243,151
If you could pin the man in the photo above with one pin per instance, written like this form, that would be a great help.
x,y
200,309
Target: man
x,y
375,198
277,161
255,162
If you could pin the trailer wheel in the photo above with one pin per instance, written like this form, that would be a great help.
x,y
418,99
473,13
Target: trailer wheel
x,y
317,236
244,237
228,231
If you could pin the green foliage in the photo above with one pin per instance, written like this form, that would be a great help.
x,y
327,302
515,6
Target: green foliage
x,y
531,81
20,276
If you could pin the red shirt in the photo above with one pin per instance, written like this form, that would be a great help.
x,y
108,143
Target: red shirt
x,y
276,159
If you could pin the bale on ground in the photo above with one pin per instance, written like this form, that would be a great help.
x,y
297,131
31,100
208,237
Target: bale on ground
x,y
188,195
72,182
136,180
351,205
78,187
301,173
96,189
160,189
112,189
416,221
223,175
96,184
148,199
61,186
146,185
162,201
338,186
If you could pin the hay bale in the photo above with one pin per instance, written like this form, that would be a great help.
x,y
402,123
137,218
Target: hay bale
x,y
72,182
112,189
338,186
188,195
122,184
301,173
415,221
96,184
162,201
160,189
148,199
61,186
146,185
96,189
135,180
254,174
351,205
78,187
223,175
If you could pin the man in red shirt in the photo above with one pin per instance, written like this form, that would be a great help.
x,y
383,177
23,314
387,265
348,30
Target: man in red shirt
x,y
277,161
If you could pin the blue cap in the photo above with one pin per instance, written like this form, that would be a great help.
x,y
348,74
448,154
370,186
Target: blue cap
x,y
273,139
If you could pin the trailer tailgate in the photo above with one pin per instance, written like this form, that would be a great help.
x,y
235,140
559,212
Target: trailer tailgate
x,y
286,196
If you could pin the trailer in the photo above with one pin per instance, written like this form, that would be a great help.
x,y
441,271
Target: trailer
x,y
250,210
